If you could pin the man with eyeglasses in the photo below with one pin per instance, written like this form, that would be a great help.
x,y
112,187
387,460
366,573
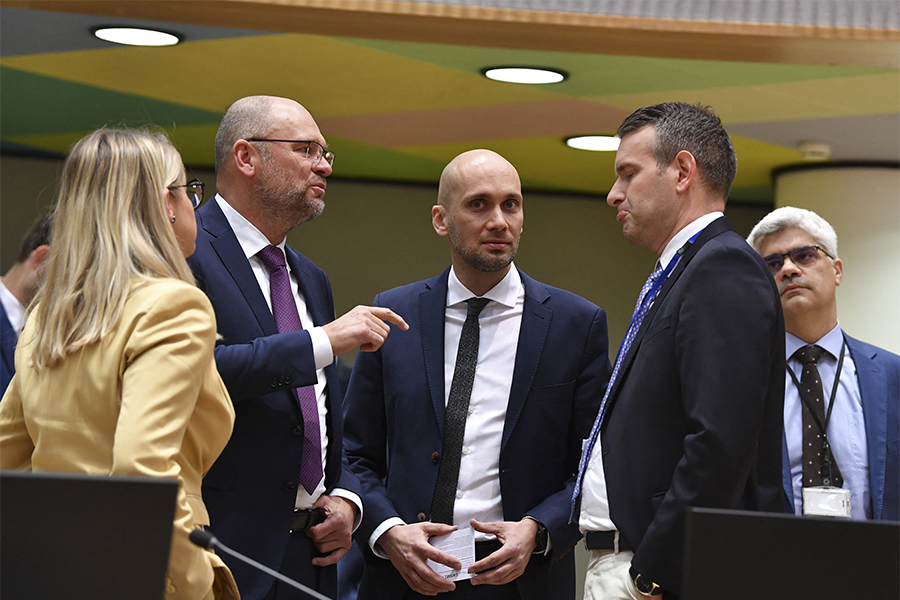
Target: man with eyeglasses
x,y
852,415
281,491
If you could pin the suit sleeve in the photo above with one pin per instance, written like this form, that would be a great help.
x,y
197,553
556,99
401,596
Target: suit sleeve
x,y
267,364
726,340
167,358
16,445
589,390
365,438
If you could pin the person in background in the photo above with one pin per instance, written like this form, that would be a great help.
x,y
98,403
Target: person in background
x,y
692,416
115,372
284,467
859,418
474,417
17,289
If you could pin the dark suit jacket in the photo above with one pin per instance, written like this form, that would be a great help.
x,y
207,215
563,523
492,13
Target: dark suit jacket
x,y
8,339
878,374
695,416
251,489
395,414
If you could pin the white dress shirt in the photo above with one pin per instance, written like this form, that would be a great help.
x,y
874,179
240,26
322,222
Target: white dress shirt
x,y
478,488
15,312
594,514
846,429
252,241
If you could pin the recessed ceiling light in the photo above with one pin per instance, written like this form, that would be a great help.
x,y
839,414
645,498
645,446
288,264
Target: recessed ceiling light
x,y
597,143
131,36
528,75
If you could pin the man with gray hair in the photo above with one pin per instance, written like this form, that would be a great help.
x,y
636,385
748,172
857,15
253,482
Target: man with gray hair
x,y
284,469
842,396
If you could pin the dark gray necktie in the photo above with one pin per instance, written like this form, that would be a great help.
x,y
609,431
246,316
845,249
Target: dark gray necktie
x,y
816,456
455,415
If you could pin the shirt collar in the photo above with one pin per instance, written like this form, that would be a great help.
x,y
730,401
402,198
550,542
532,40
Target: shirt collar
x,y
831,342
505,292
685,234
15,312
248,236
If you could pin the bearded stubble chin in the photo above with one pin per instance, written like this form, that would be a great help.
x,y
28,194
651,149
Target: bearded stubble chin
x,y
286,200
483,261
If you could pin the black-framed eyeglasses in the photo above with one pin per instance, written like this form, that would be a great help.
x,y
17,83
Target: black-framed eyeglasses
x,y
802,257
194,189
320,151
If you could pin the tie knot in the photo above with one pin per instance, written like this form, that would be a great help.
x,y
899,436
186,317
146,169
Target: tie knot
x,y
476,305
809,354
272,257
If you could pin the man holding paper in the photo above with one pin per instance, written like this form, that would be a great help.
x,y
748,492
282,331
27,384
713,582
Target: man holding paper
x,y
474,417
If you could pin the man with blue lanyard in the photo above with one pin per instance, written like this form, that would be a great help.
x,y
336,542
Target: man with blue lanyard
x,y
692,413
838,427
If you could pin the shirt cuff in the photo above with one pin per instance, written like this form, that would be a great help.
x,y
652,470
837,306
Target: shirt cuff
x,y
350,497
322,351
379,531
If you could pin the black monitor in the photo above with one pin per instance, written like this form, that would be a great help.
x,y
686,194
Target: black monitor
x,y
85,537
762,556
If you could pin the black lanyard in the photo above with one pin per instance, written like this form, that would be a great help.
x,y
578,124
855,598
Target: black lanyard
x,y
823,427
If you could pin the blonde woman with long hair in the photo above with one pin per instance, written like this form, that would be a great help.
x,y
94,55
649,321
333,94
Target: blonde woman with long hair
x,y
114,369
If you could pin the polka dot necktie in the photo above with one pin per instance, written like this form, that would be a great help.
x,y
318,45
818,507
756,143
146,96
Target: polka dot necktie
x,y
815,462
444,498
284,309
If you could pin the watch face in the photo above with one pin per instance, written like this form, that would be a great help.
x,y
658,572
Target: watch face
x,y
644,586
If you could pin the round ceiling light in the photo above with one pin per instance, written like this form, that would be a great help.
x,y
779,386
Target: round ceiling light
x,y
130,36
526,75
596,143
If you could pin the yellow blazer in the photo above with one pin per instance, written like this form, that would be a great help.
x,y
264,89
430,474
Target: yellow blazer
x,y
145,400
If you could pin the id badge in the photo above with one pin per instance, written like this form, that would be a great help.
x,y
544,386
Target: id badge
x,y
826,501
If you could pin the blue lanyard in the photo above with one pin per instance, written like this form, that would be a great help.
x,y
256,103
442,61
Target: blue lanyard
x,y
659,282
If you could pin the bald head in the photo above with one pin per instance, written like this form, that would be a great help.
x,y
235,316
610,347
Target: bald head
x,y
253,116
462,171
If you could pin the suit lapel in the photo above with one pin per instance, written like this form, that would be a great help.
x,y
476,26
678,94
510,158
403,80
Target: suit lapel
x,y
228,249
316,302
536,317
873,394
715,228
432,303
8,342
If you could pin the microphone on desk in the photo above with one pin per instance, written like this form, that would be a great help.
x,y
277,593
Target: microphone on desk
x,y
207,540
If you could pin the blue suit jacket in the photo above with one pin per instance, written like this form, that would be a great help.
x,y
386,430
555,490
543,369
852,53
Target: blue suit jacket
x,y
8,339
878,374
394,417
695,415
251,489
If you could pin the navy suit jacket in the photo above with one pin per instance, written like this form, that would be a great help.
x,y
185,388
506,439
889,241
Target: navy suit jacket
x,y
878,375
8,339
394,416
695,415
251,489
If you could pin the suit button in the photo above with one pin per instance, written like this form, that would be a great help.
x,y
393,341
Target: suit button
x,y
435,457
290,486
422,517
297,431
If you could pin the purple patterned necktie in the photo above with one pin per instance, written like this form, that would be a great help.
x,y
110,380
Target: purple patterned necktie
x,y
640,311
284,309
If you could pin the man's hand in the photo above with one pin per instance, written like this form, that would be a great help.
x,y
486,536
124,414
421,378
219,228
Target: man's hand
x,y
364,326
332,536
408,548
509,562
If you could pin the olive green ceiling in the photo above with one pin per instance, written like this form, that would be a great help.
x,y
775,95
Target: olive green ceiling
x,y
399,110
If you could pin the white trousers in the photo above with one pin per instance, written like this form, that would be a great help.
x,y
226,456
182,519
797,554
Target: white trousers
x,y
607,577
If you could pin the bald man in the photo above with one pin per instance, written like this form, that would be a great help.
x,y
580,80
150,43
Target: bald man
x,y
436,451
283,471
